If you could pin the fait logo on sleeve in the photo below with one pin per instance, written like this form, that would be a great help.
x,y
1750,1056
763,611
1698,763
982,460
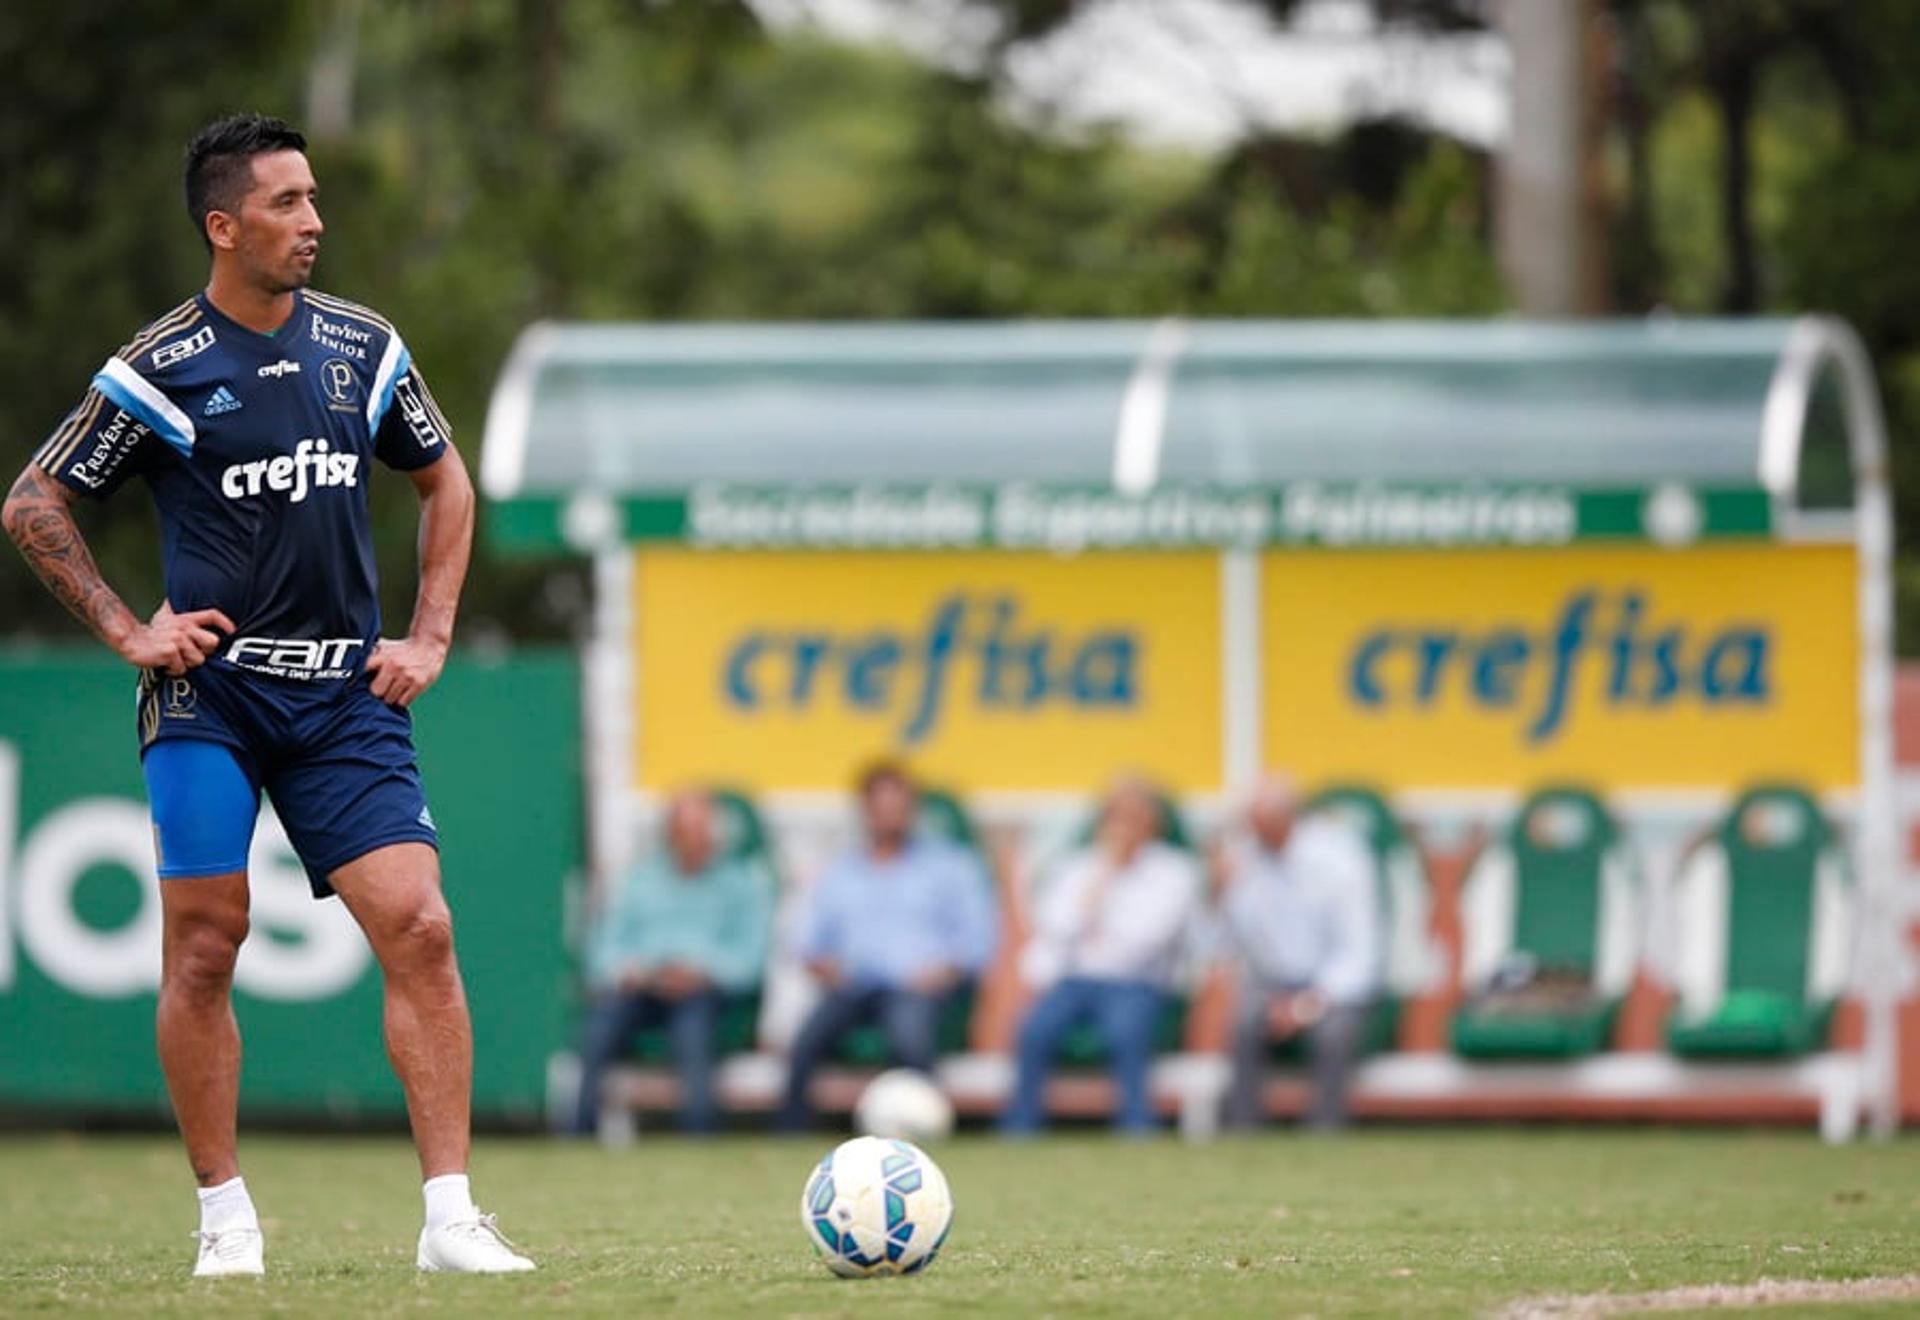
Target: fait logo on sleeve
x,y
1540,675
181,349
414,410
972,649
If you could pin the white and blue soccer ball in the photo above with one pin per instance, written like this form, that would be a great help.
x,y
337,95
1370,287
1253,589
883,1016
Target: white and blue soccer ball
x,y
904,1104
875,1206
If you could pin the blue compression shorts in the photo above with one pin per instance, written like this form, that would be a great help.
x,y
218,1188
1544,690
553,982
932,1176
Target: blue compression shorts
x,y
203,807
337,763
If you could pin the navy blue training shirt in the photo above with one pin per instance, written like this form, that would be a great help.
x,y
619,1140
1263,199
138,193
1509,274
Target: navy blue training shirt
x,y
257,449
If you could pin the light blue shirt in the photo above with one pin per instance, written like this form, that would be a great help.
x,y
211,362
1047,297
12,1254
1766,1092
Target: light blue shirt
x,y
887,922
716,921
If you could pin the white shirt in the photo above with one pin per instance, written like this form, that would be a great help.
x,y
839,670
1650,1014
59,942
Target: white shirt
x,y
1120,925
1307,915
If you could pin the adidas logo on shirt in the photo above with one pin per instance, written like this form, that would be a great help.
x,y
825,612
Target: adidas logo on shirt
x,y
221,401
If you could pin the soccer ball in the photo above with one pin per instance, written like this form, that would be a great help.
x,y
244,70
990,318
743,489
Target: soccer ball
x,y
875,1206
904,1103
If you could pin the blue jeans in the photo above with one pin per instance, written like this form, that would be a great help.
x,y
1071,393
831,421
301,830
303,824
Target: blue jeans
x,y
1123,1012
692,1024
909,1020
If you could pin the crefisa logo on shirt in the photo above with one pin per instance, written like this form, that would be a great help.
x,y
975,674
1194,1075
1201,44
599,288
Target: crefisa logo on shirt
x,y
311,466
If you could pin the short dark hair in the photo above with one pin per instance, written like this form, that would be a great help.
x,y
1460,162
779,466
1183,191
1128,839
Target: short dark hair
x,y
220,161
885,771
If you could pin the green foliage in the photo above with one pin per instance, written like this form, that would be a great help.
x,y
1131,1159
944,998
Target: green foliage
x,y
1846,245
1425,255
94,236
509,160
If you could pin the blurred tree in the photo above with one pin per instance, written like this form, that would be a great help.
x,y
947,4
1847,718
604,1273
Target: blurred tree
x,y
489,162
94,235
1846,238
1727,53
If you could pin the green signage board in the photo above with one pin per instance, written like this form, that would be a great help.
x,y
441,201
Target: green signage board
x,y
79,907
1070,519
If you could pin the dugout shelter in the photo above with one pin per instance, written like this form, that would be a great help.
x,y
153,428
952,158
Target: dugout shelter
x,y
1454,561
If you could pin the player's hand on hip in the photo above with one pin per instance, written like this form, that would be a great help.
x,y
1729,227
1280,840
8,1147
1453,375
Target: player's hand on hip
x,y
400,671
176,642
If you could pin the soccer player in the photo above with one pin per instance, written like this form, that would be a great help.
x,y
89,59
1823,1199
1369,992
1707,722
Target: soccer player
x,y
254,411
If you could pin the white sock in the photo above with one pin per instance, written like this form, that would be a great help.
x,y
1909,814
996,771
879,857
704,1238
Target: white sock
x,y
227,1206
449,1198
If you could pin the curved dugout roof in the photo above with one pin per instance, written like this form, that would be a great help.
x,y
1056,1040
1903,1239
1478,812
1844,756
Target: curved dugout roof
x,y
1131,408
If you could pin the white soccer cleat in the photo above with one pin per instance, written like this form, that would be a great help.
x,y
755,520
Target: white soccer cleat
x,y
469,1246
230,1251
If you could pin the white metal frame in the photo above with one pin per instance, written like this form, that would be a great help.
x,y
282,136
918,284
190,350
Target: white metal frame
x,y
1815,343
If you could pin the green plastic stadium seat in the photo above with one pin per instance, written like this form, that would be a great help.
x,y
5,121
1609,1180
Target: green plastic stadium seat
x,y
743,833
1412,964
1762,915
942,816
1555,892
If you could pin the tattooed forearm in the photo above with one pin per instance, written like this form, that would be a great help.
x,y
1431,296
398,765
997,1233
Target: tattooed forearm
x,y
40,523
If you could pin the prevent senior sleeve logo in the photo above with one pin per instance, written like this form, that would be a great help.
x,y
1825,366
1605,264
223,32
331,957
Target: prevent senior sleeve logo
x,y
111,445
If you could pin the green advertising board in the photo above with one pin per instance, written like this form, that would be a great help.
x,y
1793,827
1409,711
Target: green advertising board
x,y
1070,519
80,923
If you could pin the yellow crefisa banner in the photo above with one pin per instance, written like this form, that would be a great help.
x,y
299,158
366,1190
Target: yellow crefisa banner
x,y
984,670
1620,667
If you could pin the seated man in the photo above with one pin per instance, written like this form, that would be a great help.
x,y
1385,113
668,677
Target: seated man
x,y
1301,912
682,930
891,930
1107,932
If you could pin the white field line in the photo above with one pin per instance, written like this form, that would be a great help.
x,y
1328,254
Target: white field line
x,y
1710,1296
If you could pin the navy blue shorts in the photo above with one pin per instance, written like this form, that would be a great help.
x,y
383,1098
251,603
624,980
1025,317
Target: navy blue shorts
x,y
336,761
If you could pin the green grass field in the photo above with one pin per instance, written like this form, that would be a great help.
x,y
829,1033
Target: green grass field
x,y
1391,1223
